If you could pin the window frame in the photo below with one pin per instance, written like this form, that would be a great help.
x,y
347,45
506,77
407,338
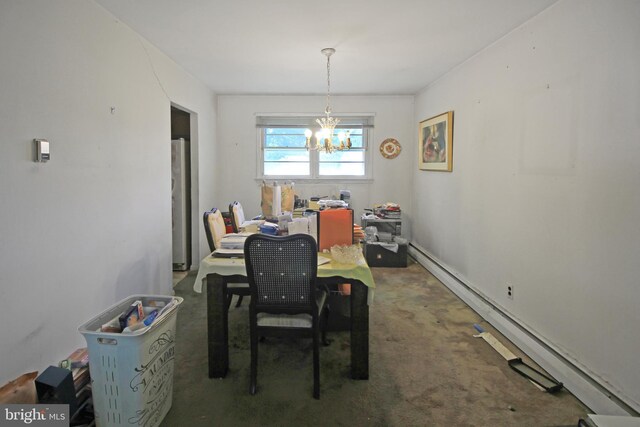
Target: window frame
x,y
265,121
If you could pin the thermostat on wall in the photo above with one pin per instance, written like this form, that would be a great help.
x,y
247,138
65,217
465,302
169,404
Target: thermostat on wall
x,y
42,150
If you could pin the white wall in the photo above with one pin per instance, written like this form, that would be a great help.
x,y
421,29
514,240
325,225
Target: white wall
x,y
545,192
93,225
238,138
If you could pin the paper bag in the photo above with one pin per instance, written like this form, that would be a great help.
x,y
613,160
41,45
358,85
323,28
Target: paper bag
x,y
276,199
267,199
288,197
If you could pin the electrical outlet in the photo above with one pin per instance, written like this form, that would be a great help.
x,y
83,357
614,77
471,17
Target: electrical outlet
x,y
510,291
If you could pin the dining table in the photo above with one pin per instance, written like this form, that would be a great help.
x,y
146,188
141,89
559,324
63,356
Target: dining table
x,y
216,272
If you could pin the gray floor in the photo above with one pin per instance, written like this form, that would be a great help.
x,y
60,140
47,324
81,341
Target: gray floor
x,y
426,369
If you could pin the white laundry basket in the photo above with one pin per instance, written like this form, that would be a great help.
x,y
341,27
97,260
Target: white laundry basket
x,y
132,374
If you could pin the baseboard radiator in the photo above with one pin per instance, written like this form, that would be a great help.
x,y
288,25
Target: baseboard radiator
x,y
588,389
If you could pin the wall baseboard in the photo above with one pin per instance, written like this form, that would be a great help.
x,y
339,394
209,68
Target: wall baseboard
x,y
583,386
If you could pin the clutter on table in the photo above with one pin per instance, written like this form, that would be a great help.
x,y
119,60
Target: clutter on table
x,y
269,228
251,226
332,204
233,240
388,211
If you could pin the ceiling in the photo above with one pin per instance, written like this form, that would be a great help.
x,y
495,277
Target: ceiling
x,y
273,46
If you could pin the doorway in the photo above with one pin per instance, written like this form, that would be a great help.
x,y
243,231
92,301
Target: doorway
x,y
181,188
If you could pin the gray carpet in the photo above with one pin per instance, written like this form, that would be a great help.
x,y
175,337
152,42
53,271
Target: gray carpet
x,y
426,369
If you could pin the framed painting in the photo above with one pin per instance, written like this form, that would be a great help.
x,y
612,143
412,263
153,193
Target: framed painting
x,y
436,143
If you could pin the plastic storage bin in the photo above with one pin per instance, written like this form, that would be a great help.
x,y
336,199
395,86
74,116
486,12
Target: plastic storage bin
x,y
377,256
132,374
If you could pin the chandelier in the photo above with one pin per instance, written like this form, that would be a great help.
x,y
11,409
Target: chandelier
x,y
327,124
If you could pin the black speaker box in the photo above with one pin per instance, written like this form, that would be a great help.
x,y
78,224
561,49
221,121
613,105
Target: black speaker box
x,y
55,386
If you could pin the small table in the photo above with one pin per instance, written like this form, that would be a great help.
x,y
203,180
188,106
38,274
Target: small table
x,y
220,271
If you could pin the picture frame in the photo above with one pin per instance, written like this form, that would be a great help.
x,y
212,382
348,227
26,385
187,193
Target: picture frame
x,y
435,148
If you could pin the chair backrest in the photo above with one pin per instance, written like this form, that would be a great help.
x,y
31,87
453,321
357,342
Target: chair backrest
x,y
214,227
282,272
237,216
335,227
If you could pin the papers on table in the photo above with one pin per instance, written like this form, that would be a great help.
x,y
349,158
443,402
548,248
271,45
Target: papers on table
x,y
323,260
251,226
233,241
332,204
231,245
228,253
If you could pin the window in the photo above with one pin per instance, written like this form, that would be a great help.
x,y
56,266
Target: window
x,y
283,153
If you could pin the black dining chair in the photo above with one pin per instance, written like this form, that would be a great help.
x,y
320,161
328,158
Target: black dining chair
x,y
285,301
215,229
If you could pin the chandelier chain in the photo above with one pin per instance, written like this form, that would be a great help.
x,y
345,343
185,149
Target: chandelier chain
x,y
328,109
327,124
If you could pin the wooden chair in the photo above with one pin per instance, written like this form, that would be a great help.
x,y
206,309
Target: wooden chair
x,y
215,229
284,300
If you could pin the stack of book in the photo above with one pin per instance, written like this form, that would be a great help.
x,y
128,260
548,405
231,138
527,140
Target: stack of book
x,y
388,211
231,245
233,241
78,363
